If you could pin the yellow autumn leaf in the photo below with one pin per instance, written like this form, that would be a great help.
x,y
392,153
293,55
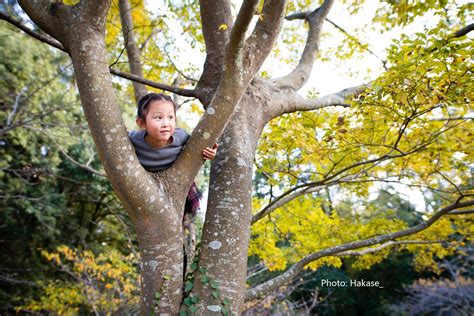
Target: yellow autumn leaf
x,y
71,2
223,27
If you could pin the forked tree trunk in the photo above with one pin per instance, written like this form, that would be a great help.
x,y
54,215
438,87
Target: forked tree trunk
x,y
155,203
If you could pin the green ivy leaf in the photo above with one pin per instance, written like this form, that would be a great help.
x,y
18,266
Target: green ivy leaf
x,y
195,299
226,301
215,284
188,301
215,294
193,309
188,286
157,295
183,313
205,279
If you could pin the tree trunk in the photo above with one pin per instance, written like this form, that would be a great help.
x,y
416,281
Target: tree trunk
x,y
161,249
225,237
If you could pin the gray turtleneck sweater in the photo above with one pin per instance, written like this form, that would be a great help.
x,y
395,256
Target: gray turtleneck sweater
x,y
157,159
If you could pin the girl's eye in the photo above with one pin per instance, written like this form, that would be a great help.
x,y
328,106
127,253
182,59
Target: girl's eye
x,y
171,117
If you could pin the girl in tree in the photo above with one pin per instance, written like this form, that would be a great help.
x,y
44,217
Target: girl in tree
x,y
158,142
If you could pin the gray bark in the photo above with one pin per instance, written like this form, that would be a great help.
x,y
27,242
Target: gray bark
x,y
226,231
214,14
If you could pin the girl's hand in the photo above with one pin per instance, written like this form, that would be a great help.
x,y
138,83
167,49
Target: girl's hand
x,y
210,153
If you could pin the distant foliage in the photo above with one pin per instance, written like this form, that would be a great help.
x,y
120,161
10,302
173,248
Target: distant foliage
x,y
442,297
46,198
104,283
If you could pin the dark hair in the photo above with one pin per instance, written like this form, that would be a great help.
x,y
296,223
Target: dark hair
x,y
142,109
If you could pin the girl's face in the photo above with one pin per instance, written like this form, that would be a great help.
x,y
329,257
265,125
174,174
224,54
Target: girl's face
x,y
160,122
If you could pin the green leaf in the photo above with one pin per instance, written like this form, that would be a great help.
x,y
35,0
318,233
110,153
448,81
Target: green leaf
x,y
194,266
215,284
225,311
195,299
188,286
157,295
205,279
193,309
188,301
183,313
226,301
202,270
215,294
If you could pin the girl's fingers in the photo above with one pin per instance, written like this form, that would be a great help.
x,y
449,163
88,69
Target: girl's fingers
x,y
210,153
208,150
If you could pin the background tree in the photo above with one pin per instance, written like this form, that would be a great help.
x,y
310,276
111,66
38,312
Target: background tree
x,y
387,132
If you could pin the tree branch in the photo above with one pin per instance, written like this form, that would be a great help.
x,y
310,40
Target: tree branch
x,y
284,278
299,190
233,59
384,62
464,30
335,99
153,32
216,20
16,106
133,52
461,212
300,75
43,38
459,118
283,199
179,71
154,84
48,15
268,26
387,244
66,155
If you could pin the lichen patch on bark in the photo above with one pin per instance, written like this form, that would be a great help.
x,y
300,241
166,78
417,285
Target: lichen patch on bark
x,y
215,244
